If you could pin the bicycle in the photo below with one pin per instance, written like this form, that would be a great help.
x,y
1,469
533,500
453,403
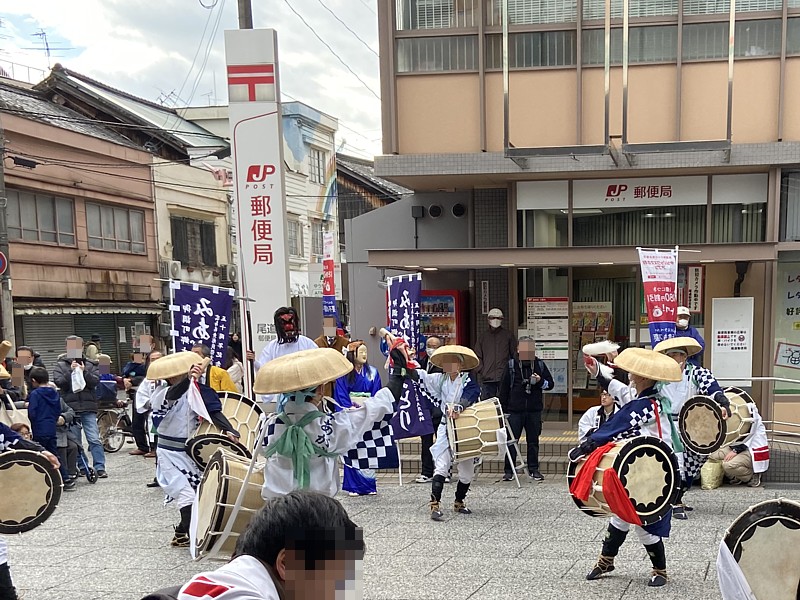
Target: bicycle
x,y
114,424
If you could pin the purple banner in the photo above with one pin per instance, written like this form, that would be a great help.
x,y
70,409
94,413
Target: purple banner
x,y
413,416
201,315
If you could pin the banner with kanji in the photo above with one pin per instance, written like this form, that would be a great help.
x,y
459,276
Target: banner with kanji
x,y
201,315
328,281
660,281
413,417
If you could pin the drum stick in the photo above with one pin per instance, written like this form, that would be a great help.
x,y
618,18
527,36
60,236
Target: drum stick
x,y
387,335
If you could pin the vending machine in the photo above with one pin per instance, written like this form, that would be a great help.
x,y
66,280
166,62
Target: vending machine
x,y
444,314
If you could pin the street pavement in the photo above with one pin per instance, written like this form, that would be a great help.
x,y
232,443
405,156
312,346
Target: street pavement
x,y
110,540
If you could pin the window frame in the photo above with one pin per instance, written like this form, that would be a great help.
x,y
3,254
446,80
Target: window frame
x,y
188,237
112,242
318,237
294,221
61,238
317,161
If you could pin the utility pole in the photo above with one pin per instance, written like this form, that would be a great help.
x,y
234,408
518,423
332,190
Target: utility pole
x,y
245,14
6,302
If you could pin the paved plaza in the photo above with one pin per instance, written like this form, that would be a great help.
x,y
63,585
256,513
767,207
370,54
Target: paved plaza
x,y
111,541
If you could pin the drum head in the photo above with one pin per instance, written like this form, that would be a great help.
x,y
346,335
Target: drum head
x,y
589,510
760,540
649,472
202,447
209,514
701,425
37,490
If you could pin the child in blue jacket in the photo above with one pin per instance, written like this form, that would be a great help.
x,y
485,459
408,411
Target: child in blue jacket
x,y
44,410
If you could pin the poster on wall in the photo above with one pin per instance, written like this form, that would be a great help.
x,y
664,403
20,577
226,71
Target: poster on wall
x,y
660,280
787,355
787,326
731,341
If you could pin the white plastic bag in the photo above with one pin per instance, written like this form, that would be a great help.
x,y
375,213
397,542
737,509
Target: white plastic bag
x,y
78,381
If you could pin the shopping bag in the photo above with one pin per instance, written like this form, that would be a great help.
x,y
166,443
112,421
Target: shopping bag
x,y
711,475
78,381
10,414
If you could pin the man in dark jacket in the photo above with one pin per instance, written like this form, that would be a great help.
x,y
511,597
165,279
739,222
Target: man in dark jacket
x,y
529,377
82,400
495,348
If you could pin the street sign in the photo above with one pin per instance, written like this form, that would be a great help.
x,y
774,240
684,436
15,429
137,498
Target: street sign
x,y
3,263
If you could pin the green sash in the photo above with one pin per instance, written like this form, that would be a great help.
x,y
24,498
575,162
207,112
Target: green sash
x,y
294,443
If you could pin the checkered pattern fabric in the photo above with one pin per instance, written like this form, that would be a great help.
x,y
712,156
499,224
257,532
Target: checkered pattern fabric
x,y
376,450
640,417
692,463
703,380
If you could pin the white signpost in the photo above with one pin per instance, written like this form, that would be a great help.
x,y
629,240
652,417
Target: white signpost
x,y
258,173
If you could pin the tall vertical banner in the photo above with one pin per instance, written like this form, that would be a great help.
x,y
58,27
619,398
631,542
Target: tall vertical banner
x,y
328,280
258,172
413,415
201,315
660,281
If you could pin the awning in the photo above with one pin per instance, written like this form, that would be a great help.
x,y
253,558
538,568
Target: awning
x,y
87,308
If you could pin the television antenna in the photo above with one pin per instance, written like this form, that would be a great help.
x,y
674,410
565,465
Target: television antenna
x,y
46,47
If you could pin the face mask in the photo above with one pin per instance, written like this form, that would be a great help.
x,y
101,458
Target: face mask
x,y
429,351
683,323
28,367
632,390
495,323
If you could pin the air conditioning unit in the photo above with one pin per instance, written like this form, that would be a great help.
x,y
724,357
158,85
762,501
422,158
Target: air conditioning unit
x,y
229,274
170,269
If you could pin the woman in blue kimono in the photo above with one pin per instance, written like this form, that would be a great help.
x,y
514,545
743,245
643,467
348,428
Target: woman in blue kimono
x,y
365,381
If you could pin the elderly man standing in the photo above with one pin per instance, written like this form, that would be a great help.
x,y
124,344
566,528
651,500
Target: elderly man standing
x,y
495,348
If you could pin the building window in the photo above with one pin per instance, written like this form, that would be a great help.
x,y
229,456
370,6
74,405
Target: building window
x,y
647,44
437,14
194,242
317,238
430,54
40,218
595,10
790,206
793,35
294,234
710,7
316,166
532,12
535,49
704,41
114,228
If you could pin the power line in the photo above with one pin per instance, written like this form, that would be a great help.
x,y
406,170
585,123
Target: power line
x,y
346,26
208,51
332,51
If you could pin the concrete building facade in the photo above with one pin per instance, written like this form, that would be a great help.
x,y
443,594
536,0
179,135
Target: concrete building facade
x,y
581,130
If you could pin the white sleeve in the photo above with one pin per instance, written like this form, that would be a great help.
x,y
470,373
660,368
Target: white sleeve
x,y
143,393
349,426
263,358
586,423
619,391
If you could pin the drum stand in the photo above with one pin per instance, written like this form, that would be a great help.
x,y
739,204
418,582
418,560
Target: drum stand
x,y
512,441
237,506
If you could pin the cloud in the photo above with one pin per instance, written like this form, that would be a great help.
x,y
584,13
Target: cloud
x,y
149,51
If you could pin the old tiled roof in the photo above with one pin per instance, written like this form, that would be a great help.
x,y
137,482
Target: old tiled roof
x,y
30,104
366,170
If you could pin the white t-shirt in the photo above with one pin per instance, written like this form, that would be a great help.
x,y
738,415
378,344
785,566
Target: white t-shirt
x,y
244,578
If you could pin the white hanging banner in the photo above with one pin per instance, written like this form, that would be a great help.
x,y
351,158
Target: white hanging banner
x,y
257,147
660,281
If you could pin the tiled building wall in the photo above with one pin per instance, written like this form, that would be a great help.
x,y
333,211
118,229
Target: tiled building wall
x,y
491,231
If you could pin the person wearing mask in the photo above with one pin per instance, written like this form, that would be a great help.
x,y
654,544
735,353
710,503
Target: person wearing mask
x,y
432,344
684,329
596,416
235,343
28,359
495,348
529,377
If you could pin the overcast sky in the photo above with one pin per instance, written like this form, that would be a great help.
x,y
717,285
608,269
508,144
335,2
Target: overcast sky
x,y
148,49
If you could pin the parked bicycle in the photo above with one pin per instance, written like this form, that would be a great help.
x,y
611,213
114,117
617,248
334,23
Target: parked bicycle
x,y
115,425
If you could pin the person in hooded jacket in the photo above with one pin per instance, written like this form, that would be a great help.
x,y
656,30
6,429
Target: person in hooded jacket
x,y
494,349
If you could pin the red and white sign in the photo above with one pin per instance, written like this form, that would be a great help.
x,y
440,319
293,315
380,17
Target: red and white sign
x,y
660,280
251,83
258,174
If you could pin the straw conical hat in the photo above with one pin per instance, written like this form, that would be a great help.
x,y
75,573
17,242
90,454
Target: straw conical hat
x,y
444,352
649,364
600,348
173,365
5,348
691,345
301,370
4,374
